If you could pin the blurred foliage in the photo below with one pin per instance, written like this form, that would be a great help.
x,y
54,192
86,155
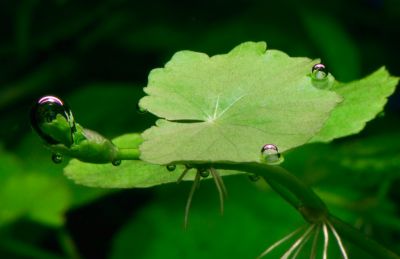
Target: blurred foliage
x,y
97,55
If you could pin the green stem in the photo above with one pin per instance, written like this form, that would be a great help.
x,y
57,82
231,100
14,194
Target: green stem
x,y
284,193
356,237
307,198
128,154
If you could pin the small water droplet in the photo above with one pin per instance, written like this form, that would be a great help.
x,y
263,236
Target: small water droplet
x,y
254,177
204,173
47,116
116,162
57,158
140,110
171,167
270,154
319,72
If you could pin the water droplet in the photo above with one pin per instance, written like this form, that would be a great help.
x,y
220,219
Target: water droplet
x,y
171,167
319,72
52,119
270,154
204,173
140,109
254,177
116,162
57,158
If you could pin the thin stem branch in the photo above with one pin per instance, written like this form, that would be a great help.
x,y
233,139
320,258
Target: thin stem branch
x,y
356,237
326,241
315,242
338,240
218,184
189,200
279,242
298,242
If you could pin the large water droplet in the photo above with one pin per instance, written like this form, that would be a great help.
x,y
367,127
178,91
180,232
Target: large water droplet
x,y
270,154
204,173
171,167
52,119
319,72
116,162
57,158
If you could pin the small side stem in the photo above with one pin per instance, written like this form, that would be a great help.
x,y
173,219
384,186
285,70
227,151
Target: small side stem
x,y
356,237
285,180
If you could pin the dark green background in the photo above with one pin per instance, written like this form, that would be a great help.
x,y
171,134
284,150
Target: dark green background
x,y
97,54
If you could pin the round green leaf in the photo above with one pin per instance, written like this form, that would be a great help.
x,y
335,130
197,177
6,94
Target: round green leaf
x,y
225,107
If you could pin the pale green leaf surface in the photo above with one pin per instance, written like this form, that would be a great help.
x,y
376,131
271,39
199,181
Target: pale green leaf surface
x,y
225,107
130,174
363,100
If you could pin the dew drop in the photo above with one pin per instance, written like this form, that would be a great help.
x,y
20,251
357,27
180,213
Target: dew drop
x,y
57,158
116,162
254,177
270,154
171,167
47,116
204,173
319,72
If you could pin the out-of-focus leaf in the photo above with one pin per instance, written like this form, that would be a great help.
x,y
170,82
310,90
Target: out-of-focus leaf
x,y
27,193
375,154
157,232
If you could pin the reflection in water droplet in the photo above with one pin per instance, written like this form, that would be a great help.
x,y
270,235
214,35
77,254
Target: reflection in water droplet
x,y
204,173
57,158
140,109
116,162
270,154
52,119
319,72
171,167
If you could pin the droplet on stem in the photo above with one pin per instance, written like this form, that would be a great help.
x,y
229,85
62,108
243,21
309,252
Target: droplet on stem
x,y
204,173
57,158
270,154
171,167
116,162
254,177
319,72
